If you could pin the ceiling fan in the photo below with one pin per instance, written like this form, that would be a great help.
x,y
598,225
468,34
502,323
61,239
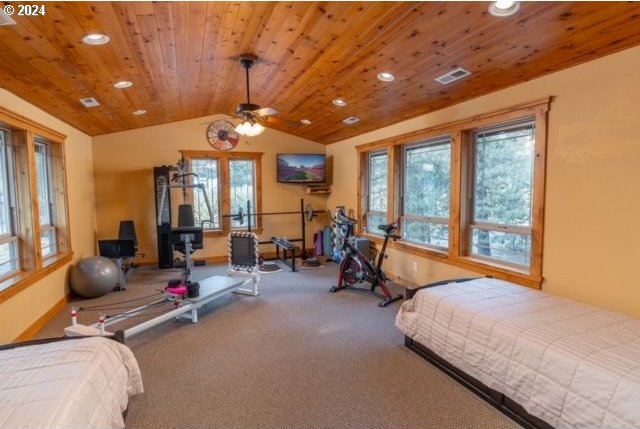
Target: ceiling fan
x,y
253,116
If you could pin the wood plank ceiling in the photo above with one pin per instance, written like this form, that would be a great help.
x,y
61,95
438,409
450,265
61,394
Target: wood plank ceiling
x,y
182,57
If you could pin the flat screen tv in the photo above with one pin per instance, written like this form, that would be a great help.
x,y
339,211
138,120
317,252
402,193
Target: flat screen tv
x,y
302,168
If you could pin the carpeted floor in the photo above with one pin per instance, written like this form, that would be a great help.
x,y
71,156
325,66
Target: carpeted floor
x,y
297,356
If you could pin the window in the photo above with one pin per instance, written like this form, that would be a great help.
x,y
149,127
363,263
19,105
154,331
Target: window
x,y
9,252
468,193
377,168
229,180
426,193
207,172
46,204
242,180
34,232
502,193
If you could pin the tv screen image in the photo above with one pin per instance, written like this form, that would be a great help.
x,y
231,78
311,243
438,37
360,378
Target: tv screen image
x,y
302,168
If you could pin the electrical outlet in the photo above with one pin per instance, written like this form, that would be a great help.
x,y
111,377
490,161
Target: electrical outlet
x,y
415,266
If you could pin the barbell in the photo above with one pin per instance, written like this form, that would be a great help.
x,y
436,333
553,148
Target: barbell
x,y
308,213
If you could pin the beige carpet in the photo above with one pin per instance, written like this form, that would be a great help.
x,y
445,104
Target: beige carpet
x,y
297,356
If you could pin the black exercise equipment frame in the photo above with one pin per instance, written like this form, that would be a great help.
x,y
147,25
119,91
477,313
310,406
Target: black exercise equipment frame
x,y
368,271
306,215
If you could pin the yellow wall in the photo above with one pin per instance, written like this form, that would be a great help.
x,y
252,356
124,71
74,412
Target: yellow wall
x,y
124,164
22,310
592,213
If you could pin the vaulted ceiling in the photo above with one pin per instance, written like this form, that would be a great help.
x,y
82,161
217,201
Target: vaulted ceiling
x,y
182,57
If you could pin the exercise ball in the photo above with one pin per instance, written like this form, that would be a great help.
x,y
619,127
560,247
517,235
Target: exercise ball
x,y
94,276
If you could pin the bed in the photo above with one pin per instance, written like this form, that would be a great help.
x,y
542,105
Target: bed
x,y
545,360
70,383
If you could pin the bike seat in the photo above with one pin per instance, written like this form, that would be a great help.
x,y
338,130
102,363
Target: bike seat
x,y
388,228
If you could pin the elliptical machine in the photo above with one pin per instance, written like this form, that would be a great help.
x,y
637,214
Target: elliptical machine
x,y
356,269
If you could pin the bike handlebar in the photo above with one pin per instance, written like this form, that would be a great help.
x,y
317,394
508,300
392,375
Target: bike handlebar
x,y
345,220
388,229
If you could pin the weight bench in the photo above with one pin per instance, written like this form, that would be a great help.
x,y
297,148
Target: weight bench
x,y
288,251
121,251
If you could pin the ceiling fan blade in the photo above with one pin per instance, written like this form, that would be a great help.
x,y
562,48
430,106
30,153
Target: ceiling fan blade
x,y
265,111
285,122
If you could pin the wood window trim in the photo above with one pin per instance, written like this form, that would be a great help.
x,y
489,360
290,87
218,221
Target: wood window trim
x,y
459,131
33,267
225,198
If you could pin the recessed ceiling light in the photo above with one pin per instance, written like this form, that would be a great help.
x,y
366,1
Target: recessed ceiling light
x,y
386,77
5,19
504,7
139,112
305,121
96,39
123,84
339,102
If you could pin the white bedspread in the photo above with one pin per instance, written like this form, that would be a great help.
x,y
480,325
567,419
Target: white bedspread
x,y
81,383
570,364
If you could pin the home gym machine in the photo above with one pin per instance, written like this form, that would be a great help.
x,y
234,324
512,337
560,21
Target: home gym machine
x,y
164,181
186,237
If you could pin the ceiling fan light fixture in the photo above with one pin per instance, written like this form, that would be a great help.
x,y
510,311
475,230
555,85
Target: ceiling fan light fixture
x,y
339,102
96,39
249,128
386,77
503,8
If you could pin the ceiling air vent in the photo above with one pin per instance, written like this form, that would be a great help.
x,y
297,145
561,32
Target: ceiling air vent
x,y
6,19
89,102
351,120
453,75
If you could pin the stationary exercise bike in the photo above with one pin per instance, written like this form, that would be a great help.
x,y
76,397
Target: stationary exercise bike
x,y
355,268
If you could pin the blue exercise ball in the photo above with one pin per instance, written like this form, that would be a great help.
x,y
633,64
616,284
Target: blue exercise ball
x,y
94,276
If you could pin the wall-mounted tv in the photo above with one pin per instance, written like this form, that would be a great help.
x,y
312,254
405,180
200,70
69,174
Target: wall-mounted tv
x,y
302,168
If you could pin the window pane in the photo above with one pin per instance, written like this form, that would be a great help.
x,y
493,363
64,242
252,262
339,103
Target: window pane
x,y
427,188
427,181
5,219
504,176
207,172
9,261
505,246
377,192
43,182
48,242
242,187
374,220
434,234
